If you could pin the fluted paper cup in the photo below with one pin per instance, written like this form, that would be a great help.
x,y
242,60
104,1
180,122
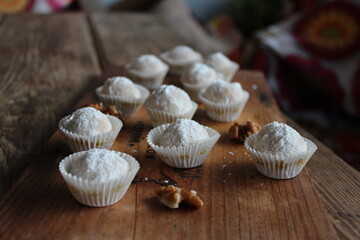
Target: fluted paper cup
x,y
224,112
279,166
79,142
194,91
183,156
94,193
229,72
159,117
150,81
125,105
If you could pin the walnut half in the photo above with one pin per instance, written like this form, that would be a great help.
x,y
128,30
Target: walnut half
x,y
239,132
111,110
172,196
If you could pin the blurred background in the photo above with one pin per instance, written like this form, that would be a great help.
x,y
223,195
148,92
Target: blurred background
x,y
308,50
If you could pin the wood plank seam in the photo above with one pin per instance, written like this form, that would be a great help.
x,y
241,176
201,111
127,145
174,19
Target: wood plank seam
x,y
101,59
2,18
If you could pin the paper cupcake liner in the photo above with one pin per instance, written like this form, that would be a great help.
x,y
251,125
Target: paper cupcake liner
x,y
126,106
193,91
279,166
78,142
229,73
159,117
184,156
93,193
177,68
224,112
151,82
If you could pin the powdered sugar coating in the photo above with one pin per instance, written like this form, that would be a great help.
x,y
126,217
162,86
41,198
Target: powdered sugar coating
x,y
224,92
182,53
148,64
121,86
218,61
199,74
87,121
183,132
100,165
171,99
279,138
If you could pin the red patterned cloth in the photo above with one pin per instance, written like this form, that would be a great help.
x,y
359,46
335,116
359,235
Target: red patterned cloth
x,y
330,31
312,63
323,45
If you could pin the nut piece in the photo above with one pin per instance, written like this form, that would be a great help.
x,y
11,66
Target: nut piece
x,y
97,106
171,196
239,132
111,110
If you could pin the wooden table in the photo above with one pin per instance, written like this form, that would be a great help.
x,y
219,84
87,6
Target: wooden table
x,y
48,63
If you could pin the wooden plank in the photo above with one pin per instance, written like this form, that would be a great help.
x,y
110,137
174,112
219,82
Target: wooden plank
x,y
240,203
120,37
46,60
338,186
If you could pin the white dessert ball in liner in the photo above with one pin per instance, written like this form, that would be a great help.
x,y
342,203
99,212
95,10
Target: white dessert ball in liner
x,y
180,58
160,117
193,91
94,193
80,142
230,72
224,112
222,65
150,79
125,105
198,77
279,165
187,156
169,103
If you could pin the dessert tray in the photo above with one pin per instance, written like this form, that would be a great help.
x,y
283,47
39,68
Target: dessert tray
x,y
239,202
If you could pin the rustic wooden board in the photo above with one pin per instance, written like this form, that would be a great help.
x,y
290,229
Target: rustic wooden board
x,y
239,202
46,60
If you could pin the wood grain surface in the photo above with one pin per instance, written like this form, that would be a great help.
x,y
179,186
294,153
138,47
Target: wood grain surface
x,y
45,62
338,185
240,203
123,37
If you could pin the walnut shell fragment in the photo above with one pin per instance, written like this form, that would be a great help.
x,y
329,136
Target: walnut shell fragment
x,y
239,132
172,196
111,110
